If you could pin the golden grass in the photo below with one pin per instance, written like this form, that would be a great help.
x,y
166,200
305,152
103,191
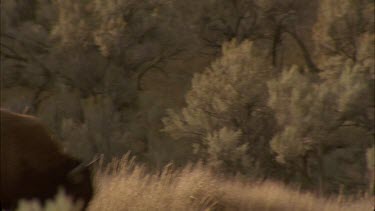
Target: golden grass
x,y
61,202
126,186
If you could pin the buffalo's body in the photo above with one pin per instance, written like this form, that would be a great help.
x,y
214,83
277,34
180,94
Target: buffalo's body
x,y
33,166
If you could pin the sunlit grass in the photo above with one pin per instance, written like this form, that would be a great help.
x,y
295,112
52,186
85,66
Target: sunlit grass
x,y
61,202
123,185
126,186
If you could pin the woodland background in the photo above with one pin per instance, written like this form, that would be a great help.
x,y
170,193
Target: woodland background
x,y
260,89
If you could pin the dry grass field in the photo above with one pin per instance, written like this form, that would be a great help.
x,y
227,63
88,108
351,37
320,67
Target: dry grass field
x,y
126,186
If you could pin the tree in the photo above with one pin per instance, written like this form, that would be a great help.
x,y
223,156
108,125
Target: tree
x,y
286,24
315,111
24,47
138,36
370,155
323,115
340,29
66,53
226,117
311,112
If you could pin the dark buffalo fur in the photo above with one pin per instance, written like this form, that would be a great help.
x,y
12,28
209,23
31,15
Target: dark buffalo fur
x,y
33,166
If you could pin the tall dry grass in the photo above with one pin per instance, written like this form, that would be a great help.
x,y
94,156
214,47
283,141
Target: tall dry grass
x,y
126,186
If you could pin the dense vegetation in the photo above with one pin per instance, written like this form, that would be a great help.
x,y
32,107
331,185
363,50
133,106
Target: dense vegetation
x,y
260,89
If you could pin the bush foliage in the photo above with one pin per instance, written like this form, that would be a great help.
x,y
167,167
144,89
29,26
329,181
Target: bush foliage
x,y
258,88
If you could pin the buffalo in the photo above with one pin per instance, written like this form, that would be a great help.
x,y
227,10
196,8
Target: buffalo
x,y
34,165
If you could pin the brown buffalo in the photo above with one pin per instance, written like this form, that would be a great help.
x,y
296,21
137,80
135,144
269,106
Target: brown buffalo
x,y
33,166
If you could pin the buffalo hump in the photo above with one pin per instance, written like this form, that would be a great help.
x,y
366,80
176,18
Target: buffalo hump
x,y
34,166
